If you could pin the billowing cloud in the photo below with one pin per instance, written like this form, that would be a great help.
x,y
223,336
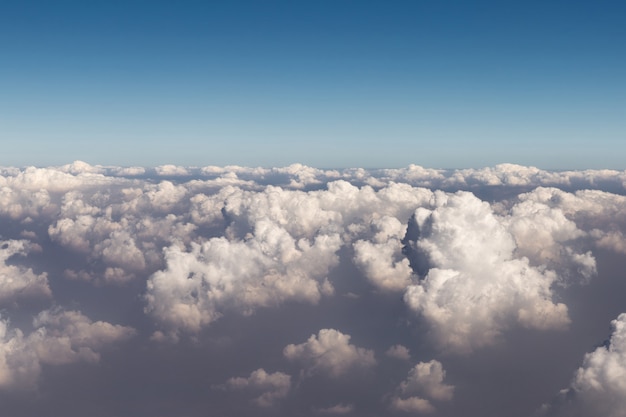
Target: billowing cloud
x,y
272,386
18,281
424,383
337,409
475,286
200,284
398,352
599,385
60,337
238,265
329,352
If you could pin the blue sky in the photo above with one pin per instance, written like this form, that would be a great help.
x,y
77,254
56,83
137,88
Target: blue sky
x,y
447,84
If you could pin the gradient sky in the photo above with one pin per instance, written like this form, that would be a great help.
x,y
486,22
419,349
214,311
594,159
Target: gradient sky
x,y
445,84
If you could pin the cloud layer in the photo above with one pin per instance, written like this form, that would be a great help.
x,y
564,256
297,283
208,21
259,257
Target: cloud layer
x,y
339,282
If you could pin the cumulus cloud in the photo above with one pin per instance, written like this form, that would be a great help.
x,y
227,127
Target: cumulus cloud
x,y
381,258
19,281
70,336
329,353
475,287
399,352
171,170
60,337
337,409
273,387
424,383
599,385
199,285
204,252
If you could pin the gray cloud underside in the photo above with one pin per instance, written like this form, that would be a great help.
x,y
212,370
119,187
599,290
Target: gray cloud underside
x,y
297,290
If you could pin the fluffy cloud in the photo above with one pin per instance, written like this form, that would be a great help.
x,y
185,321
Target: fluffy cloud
x,y
273,386
69,336
599,385
398,352
381,259
475,287
330,353
338,409
199,285
60,337
424,383
18,281
209,242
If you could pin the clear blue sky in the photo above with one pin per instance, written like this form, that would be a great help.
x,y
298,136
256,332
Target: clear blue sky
x,y
327,83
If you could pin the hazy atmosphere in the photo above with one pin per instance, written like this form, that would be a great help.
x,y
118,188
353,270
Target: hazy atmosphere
x,y
312,208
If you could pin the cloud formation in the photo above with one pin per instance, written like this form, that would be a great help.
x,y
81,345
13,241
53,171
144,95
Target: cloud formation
x,y
272,386
235,266
59,338
423,384
475,286
329,352
598,386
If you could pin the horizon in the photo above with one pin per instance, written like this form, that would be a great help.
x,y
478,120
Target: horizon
x,y
277,208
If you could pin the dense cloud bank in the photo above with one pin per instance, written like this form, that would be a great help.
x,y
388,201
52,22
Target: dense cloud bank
x,y
299,291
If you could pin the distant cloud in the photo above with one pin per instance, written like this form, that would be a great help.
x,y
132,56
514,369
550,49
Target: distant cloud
x,y
423,384
599,385
329,352
272,386
237,262
398,352
60,337
18,281
338,409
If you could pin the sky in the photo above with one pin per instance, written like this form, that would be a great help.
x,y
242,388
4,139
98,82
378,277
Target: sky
x,y
296,291
330,84
306,209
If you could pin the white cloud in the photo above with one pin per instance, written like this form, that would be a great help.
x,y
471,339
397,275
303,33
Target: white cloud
x,y
426,379
19,364
475,287
602,377
199,285
424,383
19,281
171,170
273,387
330,353
399,352
412,405
381,259
598,387
337,409
60,337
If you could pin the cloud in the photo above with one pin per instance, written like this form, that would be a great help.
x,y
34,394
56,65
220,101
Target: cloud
x,y
337,409
271,267
273,387
19,281
59,338
381,259
171,170
398,352
412,405
329,353
424,383
599,385
70,336
234,262
475,287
